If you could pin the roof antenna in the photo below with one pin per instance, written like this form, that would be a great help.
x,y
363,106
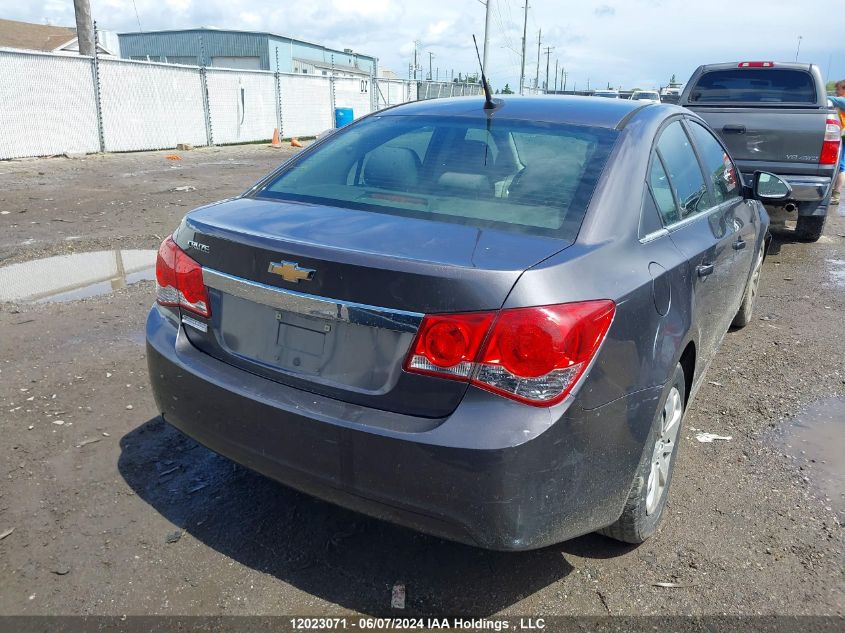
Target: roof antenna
x,y
488,100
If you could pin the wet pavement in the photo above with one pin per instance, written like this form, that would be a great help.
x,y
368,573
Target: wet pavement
x,y
76,276
815,439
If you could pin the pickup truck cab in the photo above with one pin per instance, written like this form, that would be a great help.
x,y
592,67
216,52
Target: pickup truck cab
x,y
774,117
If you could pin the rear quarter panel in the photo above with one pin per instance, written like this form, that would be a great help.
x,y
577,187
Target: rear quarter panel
x,y
608,261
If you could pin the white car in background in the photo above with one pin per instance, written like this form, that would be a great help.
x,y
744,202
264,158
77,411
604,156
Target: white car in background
x,y
651,96
607,94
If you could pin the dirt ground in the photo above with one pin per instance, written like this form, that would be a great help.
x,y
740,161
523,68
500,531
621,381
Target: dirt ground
x,y
142,520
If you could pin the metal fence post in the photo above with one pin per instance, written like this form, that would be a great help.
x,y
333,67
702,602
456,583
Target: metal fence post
x,y
209,131
278,78
98,103
206,108
332,95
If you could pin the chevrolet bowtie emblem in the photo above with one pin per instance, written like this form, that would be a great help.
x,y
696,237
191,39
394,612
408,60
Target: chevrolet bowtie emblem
x,y
290,271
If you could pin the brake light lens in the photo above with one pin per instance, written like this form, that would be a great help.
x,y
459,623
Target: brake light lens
x,y
179,280
756,65
446,345
832,140
533,355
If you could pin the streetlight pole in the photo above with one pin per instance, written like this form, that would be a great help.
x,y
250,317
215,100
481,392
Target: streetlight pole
x,y
430,57
524,33
486,34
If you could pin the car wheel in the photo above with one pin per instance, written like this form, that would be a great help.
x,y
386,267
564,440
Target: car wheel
x,y
650,489
743,317
808,228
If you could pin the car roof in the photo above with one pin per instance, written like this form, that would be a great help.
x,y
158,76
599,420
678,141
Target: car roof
x,y
575,110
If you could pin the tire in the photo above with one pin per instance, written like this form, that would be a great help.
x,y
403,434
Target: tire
x,y
650,489
746,309
809,228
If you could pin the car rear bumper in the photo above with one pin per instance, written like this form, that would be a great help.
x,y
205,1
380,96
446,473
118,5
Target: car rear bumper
x,y
558,473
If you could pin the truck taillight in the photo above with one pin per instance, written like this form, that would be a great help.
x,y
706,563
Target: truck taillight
x,y
533,355
756,65
179,280
832,141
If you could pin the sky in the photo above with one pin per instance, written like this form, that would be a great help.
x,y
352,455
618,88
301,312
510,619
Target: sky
x,y
627,44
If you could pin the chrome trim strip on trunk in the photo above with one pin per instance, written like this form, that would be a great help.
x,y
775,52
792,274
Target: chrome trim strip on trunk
x,y
312,305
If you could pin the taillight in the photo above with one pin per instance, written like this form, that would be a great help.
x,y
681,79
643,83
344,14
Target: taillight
x,y
446,345
179,280
832,141
756,65
534,355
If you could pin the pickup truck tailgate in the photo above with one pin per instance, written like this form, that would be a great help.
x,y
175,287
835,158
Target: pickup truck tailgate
x,y
766,135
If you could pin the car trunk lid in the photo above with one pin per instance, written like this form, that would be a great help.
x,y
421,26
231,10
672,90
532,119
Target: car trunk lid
x,y
329,299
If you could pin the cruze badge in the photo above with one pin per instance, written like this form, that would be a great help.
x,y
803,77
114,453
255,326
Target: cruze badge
x,y
203,248
291,271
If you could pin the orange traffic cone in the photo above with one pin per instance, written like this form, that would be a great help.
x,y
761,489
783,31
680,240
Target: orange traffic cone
x,y
276,140
295,143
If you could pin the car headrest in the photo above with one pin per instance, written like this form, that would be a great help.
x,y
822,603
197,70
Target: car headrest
x,y
457,182
392,168
467,157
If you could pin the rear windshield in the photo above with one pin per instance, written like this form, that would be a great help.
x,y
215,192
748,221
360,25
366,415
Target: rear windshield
x,y
645,95
758,85
519,176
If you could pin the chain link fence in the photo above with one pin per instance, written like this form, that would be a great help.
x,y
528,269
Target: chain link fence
x,y
55,104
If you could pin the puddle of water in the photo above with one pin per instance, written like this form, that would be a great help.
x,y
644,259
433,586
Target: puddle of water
x,y
77,276
816,440
837,271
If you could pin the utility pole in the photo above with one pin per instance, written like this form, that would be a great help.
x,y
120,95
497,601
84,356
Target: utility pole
x,y
486,33
430,57
524,33
563,77
84,27
537,74
416,43
556,75
549,50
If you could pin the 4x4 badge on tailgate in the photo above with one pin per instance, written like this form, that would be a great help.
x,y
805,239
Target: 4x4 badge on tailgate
x,y
291,271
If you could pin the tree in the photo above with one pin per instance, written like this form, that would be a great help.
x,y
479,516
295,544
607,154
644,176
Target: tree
x,y
507,90
831,86
672,81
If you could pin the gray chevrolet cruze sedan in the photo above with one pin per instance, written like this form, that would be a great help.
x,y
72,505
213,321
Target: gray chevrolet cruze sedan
x,y
484,324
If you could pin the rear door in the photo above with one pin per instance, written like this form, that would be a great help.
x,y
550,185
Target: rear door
x,y
702,231
736,212
765,116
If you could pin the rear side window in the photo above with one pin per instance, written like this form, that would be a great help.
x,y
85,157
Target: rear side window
x,y
683,170
718,165
520,176
662,192
756,85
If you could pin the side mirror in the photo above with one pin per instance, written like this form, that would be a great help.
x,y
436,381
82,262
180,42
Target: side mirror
x,y
770,188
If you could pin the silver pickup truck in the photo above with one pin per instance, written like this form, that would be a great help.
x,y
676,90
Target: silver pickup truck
x,y
774,117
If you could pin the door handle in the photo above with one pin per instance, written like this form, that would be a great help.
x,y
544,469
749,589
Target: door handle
x,y
739,245
734,129
704,269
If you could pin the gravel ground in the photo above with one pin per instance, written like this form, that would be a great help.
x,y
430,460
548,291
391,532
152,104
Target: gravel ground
x,y
114,512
